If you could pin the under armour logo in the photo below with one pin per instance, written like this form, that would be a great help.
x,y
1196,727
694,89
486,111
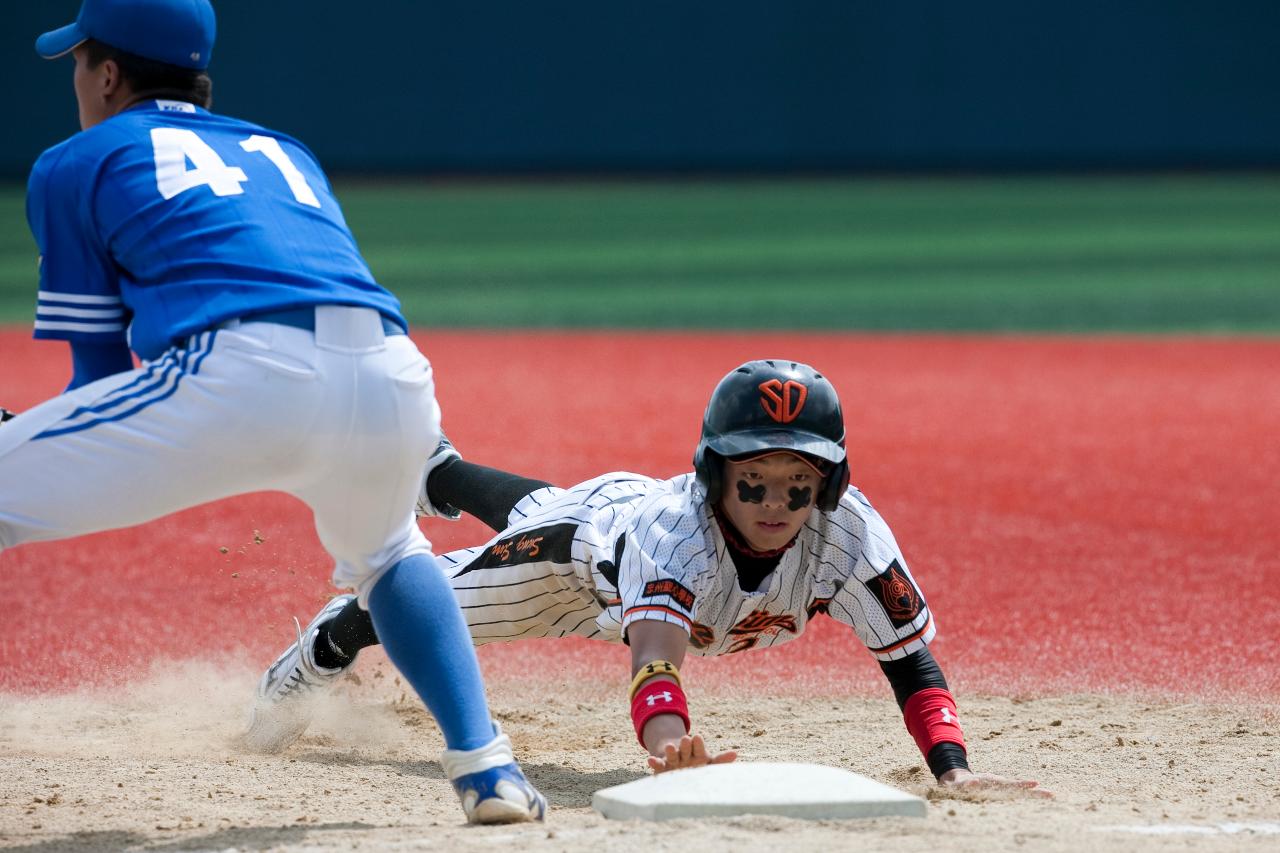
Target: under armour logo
x,y
665,696
948,717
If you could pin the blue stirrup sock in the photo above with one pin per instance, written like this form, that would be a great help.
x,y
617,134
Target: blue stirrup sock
x,y
423,632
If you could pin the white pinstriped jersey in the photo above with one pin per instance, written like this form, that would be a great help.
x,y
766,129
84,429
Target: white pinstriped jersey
x,y
591,560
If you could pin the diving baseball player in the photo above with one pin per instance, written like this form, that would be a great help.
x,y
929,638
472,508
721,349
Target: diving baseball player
x,y
762,537
215,250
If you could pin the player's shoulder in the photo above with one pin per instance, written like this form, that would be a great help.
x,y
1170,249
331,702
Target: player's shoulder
x,y
86,150
853,519
673,506
852,508
621,479
854,502
92,148
673,494
855,528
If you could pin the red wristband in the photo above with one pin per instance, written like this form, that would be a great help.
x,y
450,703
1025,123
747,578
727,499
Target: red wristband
x,y
658,697
931,718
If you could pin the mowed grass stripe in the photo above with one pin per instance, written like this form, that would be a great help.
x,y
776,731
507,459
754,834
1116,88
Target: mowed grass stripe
x,y
1182,253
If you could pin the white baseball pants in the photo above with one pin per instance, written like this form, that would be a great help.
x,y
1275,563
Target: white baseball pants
x,y
343,418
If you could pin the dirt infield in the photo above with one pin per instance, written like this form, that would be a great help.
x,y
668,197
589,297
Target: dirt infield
x,y
1092,522
158,770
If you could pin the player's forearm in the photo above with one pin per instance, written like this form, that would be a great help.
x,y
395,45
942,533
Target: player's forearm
x,y
662,730
934,723
659,710
929,711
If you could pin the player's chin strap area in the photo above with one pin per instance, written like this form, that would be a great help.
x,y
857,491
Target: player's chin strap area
x,y
738,542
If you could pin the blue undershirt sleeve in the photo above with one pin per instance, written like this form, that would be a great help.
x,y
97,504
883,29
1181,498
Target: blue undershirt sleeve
x,y
92,361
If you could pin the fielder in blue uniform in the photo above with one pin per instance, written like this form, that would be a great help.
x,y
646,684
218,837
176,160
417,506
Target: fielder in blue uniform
x,y
270,358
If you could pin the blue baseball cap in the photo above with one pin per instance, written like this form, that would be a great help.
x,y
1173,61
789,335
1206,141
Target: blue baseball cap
x,y
176,32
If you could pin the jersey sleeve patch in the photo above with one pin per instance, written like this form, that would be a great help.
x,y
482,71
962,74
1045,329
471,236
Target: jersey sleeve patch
x,y
901,600
671,588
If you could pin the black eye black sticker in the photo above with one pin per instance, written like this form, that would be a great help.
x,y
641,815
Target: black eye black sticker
x,y
750,494
800,498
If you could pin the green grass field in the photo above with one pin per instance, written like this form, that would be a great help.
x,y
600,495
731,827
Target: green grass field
x,y
1197,253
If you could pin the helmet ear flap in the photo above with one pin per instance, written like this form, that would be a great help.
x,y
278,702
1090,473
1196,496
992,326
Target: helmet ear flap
x,y
708,466
834,486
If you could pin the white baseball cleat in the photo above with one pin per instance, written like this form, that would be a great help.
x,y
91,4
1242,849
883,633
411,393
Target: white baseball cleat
x,y
490,784
425,508
282,707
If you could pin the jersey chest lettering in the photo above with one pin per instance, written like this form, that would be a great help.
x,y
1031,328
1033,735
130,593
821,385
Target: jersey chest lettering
x,y
818,605
750,629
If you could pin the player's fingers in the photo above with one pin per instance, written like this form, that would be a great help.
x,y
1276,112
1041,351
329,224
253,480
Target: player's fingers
x,y
1031,788
657,765
700,750
1003,782
990,781
686,750
725,757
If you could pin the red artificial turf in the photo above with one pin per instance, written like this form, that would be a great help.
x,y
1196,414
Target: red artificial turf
x,y
1082,514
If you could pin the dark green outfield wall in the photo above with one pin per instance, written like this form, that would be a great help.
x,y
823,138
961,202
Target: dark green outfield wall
x,y
638,85
1062,254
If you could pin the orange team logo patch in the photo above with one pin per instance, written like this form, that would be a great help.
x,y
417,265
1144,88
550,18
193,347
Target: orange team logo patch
x,y
899,596
783,401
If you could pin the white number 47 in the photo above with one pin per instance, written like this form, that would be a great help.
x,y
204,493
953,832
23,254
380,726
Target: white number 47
x,y
174,147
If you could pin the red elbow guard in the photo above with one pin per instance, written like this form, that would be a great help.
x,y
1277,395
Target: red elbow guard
x,y
658,697
931,718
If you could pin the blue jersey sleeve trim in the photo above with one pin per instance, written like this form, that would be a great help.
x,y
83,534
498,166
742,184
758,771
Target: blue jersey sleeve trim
x,y
97,317
79,293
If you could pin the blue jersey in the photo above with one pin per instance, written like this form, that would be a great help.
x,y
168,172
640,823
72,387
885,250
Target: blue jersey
x,y
166,220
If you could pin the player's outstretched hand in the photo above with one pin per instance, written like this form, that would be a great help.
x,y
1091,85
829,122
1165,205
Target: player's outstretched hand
x,y
970,781
691,751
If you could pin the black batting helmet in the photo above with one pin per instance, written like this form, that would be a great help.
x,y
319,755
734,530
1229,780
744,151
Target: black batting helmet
x,y
774,404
